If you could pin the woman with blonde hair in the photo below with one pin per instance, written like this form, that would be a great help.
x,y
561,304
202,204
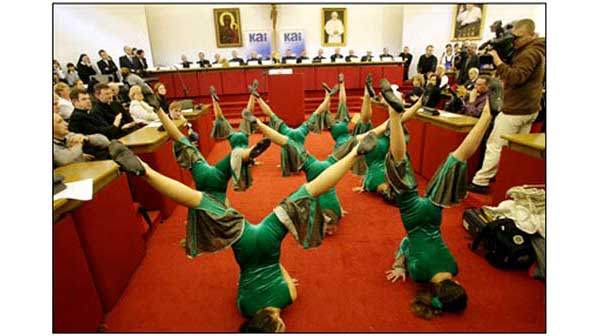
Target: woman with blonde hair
x,y
140,110
65,107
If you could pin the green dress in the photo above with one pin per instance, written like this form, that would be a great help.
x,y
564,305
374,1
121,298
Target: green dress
x,y
425,250
257,248
375,160
289,163
329,201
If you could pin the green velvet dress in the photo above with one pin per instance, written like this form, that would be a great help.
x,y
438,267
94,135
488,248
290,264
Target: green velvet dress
x,y
329,201
375,160
257,248
425,250
298,135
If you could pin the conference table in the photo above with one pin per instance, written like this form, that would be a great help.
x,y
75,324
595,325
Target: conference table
x,y
97,246
523,161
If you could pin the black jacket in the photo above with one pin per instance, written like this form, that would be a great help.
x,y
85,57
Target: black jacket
x,y
299,59
87,123
254,59
318,59
186,64
108,68
108,112
85,72
334,56
470,62
407,58
347,58
288,59
427,64
384,55
124,62
238,59
204,63
366,58
162,101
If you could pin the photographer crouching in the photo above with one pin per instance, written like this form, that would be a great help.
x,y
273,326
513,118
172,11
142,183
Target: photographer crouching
x,y
523,83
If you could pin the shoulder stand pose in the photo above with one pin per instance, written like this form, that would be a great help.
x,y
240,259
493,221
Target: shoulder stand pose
x,y
264,286
423,253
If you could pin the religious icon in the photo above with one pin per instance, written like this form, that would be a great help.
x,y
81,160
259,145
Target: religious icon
x,y
334,32
228,27
467,23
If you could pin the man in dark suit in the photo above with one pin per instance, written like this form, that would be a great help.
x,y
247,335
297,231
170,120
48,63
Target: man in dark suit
x,y
472,61
427,62
104,107
185,62
203,62
302,56
289,57
368,57
385,53
319,58
84,122
407,57
336,55
253,58
140,62
351,57
126,61
236,58
107,66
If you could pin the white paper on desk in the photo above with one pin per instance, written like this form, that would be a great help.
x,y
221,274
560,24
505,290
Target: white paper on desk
x,y
81,190
449,115
267,62
217,65
340,60
187,110
234,64
281,71
253,63
154,124
306,61
387,59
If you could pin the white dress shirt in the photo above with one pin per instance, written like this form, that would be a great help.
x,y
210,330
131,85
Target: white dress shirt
x,y
142,112
65,108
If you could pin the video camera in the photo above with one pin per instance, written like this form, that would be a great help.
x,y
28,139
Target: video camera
x,y
502,43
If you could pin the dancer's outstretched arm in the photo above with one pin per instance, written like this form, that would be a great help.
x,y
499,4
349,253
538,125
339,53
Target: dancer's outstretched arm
x,y
471,142
276,137
365,108
173,189
332,175
265,108
172,130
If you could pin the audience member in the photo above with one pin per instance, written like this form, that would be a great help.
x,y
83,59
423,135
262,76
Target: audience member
x,y
351,57
71,76
79,85
107,66
523,85
175,113
385,53
368,57
65,107
126,61
202,62
407,57
119,94
472,61
427,62
302,56
436,93
217,59
441,75
336,55
289,57
418,88
84,68
68,147
57,69
473,75
447,58
161,95
185,62
138,108
55,107
84,122
319,58
236,58
140,63
104,107
253,58
475,101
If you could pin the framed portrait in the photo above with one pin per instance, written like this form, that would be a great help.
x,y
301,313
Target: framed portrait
x,y
468,21
228,27
333,27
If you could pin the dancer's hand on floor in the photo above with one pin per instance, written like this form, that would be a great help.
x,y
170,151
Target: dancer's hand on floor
x,y
358,189
395,274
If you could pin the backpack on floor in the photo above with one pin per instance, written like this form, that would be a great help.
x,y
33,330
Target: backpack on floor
x,y
474,220
505,245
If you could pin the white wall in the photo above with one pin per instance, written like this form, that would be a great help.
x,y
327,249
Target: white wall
x,y
88,28
432,24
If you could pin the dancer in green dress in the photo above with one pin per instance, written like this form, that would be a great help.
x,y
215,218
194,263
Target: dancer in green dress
x,y
423,253
264,287
208,178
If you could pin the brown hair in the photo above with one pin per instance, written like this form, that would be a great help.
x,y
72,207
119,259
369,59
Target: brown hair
x,y
157,85
175,105
99,87
125,71
262,321
420,78
59,87
527,24
433,299
74,95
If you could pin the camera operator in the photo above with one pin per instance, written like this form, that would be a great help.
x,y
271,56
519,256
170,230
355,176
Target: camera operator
x,y
471,61
523,83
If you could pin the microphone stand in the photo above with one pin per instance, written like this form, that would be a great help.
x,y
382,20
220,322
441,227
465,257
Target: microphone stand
x,y
185,90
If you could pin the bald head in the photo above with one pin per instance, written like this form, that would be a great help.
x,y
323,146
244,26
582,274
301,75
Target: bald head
x,y
525,27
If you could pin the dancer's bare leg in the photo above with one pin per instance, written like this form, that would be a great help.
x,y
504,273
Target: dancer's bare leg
x,y
250,105
265,108
332,175
324,106
342,93
172,130
276,137
365,108
472,141
173,189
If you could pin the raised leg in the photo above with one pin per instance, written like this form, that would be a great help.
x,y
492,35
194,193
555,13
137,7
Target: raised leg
x,y
471,142
250,105
173,189
332,175
324,106
342,94
265,108
365,108
276,137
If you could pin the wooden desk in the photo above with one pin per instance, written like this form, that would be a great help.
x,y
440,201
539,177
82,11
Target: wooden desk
x,y
195,114
523,161
107,227
156,149
457,123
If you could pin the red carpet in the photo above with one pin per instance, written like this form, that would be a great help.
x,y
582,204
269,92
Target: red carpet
x,y
342,283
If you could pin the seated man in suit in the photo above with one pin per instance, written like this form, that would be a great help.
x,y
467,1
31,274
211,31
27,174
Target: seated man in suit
x,y
84,122
253,58
385,53
289,57
302,56
368,57
319,58
70,147
106,107
236,58
351,57
107,66
217,59
185,62
336,55
126,61
203,62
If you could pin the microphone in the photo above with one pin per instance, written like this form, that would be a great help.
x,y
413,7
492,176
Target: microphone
x,y
185,90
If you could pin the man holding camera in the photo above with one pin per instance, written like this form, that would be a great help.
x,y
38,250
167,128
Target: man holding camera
x,y
523,84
